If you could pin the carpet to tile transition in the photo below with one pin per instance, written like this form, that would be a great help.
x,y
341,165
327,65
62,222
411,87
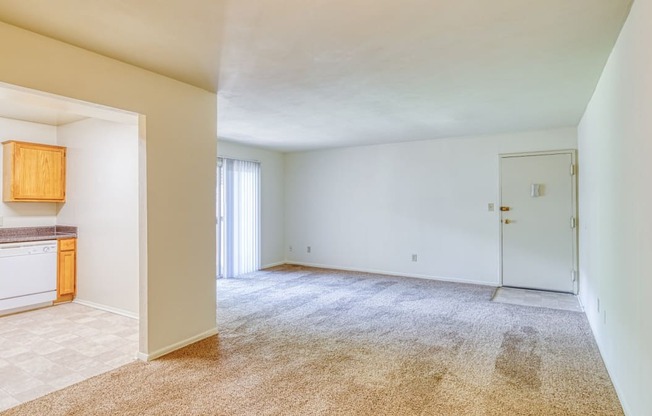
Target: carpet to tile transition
x,y
301,341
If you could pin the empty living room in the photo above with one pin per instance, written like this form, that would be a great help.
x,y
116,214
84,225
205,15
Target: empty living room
x,y
343,208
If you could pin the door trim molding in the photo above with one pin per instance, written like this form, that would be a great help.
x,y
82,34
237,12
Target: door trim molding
x,y
574,196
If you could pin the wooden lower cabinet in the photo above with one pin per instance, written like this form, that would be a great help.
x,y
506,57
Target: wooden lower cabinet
x,y
67,270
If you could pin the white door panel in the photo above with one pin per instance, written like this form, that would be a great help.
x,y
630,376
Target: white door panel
x,y
538,241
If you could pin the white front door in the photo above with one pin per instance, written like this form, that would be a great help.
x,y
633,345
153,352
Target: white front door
x,y
538,221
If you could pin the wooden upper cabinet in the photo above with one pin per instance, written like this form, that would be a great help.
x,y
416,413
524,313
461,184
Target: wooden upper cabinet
x,y
33,172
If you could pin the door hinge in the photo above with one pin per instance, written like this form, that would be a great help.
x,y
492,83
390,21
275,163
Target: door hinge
x,y
573,275
572,169
573,222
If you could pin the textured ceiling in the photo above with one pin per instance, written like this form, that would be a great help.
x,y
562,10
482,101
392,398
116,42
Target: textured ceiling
x,y
297,74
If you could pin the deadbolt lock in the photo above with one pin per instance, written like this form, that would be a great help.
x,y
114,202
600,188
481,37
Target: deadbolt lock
x,y
508,221
504,208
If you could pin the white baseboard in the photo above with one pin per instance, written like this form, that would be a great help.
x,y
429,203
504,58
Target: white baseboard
x,y
177,345
278,263
614,380
579,300
111,309
387,273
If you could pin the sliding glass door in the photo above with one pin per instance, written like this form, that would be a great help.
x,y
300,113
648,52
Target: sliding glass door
x,y
238,217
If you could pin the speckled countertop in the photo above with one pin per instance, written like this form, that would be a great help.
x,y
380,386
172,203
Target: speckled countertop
x,y
22,234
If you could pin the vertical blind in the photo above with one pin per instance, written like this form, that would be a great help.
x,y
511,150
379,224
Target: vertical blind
x,y
239,203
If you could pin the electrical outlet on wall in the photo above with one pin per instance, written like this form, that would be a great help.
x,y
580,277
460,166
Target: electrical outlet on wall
x,y
291,249
308,249
414,257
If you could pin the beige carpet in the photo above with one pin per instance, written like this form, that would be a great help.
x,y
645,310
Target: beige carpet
x,y
299,341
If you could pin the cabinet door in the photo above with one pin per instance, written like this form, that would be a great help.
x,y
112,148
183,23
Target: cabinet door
x,y
67,265
39,173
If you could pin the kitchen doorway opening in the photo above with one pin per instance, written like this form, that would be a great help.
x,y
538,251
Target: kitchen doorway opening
x,y
48,347
237,217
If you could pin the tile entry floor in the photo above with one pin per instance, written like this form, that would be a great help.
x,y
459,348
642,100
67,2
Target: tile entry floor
x,y
538,298
48,349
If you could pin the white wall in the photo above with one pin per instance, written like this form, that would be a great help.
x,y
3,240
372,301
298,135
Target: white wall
x,y
615,141
102,200
26,214
372,207
272,197
177,181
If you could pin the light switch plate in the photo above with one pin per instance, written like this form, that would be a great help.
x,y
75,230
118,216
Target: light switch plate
x,y
491,207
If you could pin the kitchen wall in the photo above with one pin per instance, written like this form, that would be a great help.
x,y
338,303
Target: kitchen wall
x,y
615,141
272,197
370,208
26,214
177,132
102,200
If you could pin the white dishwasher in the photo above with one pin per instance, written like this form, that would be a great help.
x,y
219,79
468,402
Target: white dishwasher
x,y
28,274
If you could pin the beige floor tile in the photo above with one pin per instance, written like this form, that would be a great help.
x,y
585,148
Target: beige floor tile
x,y
42,330
5,327
12,352
22,357
63,338
90,348
133,337
35,365
85,320
95,368
18,382
87,332
46,347
109,340
120,361
82,363
109,356
7,401
33,393
67,380
52,348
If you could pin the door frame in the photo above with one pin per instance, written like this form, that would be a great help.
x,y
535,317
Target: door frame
x,y
574,194
219,217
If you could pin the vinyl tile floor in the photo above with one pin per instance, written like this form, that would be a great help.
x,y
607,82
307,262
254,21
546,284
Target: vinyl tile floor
x,y
537,298
51,348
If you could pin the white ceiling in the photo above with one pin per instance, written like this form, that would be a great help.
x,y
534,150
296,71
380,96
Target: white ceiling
x,y
297,74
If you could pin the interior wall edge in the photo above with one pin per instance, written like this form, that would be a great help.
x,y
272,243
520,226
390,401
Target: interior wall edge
x,y
179,297
610,371
177,345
